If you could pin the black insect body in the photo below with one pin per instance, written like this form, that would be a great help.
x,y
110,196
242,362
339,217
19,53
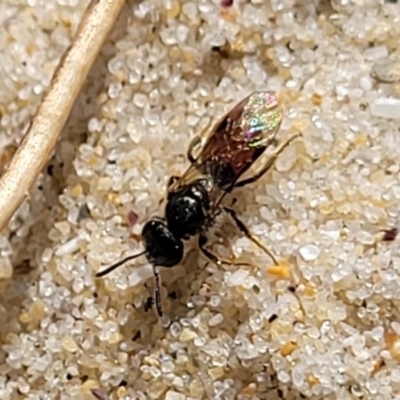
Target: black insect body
x,y
187,210
218,161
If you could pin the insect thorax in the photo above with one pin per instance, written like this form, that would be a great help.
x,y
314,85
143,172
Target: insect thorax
x,y
187,210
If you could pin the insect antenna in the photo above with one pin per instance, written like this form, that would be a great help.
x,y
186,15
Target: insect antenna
x,y
157,295
118,264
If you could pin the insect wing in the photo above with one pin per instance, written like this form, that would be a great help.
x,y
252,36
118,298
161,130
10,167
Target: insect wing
x,y
234,144
240,138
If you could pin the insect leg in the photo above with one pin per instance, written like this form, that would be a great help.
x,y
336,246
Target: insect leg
x,y
172,180
247,232
157,295
194,146
270,162
214,258
148,305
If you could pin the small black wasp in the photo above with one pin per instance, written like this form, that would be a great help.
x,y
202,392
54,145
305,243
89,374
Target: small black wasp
x,y
218,161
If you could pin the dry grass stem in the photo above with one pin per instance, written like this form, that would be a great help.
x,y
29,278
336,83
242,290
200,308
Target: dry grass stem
x,y
55,108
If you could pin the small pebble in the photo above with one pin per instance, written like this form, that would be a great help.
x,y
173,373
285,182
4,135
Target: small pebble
x,y
387,71
132,218
25,318
283,376
76,190
395,375
175,329
376,53
238,277
171,395
104,183
309,252
288,348
69,247
282,271
386,107
216,373
216,319
70,345
377,333
121,392
390,234
226,3
6,269
140,100
64,227
249,391
395,349
196,388
99,394
140,274
155,390
173,9
187,335
312,379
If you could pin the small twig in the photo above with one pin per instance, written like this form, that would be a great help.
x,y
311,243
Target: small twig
x,y
41,138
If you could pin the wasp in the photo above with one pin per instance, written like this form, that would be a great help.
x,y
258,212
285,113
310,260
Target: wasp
x,y
218,163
